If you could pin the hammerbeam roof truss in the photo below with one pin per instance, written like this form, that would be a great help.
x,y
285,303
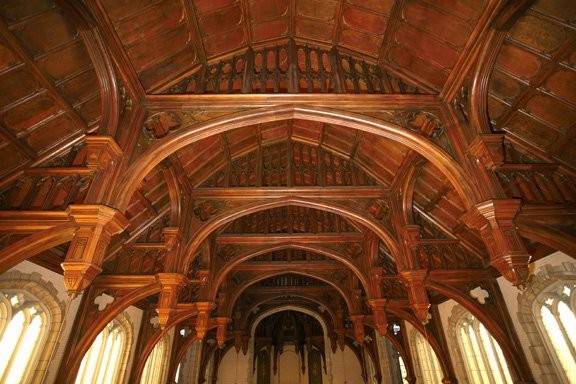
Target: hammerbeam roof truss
x,y
342,155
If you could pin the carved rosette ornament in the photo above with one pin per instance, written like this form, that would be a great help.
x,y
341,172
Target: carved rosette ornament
x,y
203,319
96,226
171,285
495,221
379,313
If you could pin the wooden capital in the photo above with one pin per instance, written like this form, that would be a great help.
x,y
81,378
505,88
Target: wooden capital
x,y
203,319
171,284
489,150
222,330
380,319
495,221
415,284
96,226
101,151
358,323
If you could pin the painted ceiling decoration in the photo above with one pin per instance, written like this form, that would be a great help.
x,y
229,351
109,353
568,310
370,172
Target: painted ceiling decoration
x,y
211,160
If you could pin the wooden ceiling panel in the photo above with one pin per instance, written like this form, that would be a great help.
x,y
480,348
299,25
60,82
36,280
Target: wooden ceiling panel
x,y
156,36
57,32
16,85
11,158
274,132
29,113
340,139
561,84
429,37
518,62
50,93
531,91
52,133
308,131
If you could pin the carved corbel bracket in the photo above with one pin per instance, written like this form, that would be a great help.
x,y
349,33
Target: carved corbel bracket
x,y
489,150
222,330
238,334
380,319
171,237
101,151
203,320
341,337
376,281
171,284
96,226
410,242
495,221
358,325
415,281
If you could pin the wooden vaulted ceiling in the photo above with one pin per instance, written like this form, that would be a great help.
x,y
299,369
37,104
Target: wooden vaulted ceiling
x,y
50,93
532,93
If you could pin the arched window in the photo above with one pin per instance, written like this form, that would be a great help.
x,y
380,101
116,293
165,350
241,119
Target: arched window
x,y
483,358
105,361
157,363
427,363
555,311
30,323
403,370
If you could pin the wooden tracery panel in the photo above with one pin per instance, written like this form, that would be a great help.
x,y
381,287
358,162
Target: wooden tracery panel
x,y
291,68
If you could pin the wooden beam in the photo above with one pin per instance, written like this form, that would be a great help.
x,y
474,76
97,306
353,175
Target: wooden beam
x,y
274,238
31,221
250,193
356,102
124,281
268,266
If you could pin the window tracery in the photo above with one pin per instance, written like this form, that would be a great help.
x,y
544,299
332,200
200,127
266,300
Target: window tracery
x,y
156,364
30,323
547,312
426,361
105,361
483,358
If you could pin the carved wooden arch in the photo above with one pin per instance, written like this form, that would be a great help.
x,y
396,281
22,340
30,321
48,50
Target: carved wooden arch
x,y
68,375
446,367
32,245
233,214
309,298
168,145
548,236
491,325
156,337
175,195
79,15
223,272
246,285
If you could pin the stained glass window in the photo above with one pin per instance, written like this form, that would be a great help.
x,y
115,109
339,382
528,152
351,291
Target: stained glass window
x,y
428,364
156,364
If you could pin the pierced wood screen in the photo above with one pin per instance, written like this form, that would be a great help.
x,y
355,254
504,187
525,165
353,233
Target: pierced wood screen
x,y
291,68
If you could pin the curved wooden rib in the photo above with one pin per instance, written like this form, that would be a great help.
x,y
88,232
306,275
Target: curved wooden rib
x,y
549,236
246,285
219,278
188,135
512,355
81,17
222,219
34,244
68,374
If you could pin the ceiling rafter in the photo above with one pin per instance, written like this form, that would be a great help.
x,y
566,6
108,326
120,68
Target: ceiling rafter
x,y
112,41
40,76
